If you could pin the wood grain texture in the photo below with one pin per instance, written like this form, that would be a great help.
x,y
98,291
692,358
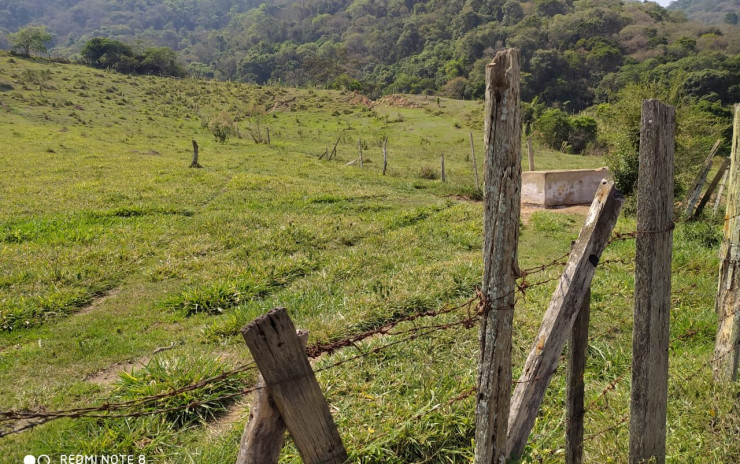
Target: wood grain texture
x,y
282,361
264,432
652,284
577,347
561,313
502,193
727,345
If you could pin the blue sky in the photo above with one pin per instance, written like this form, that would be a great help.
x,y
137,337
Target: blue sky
x,y
663,2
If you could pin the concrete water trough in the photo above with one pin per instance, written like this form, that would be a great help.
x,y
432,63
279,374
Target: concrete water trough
x,y
562,187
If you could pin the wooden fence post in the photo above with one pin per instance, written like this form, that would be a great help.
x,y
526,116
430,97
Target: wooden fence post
x,y
561,314
442,161
652,284
713,185
530,151
701,178
577,346
502,193
359,146
475,164
194,163
718,199
727,345
264,433
282,361
385,155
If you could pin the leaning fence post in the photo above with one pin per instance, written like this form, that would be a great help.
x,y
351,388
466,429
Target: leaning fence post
x,y
385,155
263,434
699,181
194,163
561,313
652,284
713,185
282,361
442,163
577,346
502,192
727,345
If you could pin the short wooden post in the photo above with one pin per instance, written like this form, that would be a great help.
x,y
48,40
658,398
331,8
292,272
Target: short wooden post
x,y
194,163
282,361
718,199
652,284
442,161
712,186
561,314
334,150
268,136
475,165
385,155
264,433
577,347
727,345
531,153
502,193
359,146
701,178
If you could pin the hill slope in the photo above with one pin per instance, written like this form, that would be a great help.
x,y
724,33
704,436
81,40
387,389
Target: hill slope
x,y
573,53
709,11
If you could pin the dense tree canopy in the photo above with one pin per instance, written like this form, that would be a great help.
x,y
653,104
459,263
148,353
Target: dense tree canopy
x,y
575,53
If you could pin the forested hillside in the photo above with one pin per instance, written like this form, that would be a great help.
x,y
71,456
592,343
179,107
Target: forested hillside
x,y
575,53
709,11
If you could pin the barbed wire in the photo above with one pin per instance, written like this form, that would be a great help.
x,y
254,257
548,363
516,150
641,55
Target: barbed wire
x,y
24,420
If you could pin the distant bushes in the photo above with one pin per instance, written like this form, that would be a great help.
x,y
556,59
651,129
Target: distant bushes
x,y
108,53
558,130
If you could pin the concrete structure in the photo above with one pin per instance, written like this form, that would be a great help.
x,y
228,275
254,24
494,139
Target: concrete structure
x,y
561,187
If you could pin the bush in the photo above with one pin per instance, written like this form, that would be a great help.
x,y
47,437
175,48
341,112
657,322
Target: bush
x,y
429,173
553,127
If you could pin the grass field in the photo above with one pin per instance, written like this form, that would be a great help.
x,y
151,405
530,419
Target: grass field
x,y
124,273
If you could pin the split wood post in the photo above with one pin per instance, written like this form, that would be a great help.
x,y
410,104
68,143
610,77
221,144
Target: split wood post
x,y
194,163
701,178
282,361
531,153
561,314
475,165
712,186
653,256
334,150
718,200
727,345
264,433
442,161
359,146
577,347
385,155
502,193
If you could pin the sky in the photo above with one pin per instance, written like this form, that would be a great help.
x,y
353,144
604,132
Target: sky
x,y
663,2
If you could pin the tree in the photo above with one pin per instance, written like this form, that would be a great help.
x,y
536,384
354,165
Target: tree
x,y
30,39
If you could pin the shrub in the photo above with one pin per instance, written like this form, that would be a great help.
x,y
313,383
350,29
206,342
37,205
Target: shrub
x,y
428,172
553,127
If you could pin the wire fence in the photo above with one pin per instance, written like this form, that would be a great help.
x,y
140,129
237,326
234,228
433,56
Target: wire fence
x,y
465,315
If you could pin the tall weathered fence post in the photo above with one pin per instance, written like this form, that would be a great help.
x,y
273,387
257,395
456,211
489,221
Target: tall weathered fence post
x,y
652,284
264,433
502,193
561,314
577,346
727,345
282,361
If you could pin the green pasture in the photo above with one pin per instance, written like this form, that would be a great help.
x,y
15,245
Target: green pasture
x,y
124,273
